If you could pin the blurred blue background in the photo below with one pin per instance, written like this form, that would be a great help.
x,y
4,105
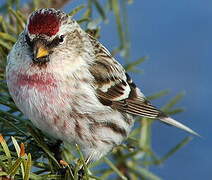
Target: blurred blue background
x,y
176,36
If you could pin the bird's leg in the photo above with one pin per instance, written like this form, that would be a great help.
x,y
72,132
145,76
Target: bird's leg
x,y
55,148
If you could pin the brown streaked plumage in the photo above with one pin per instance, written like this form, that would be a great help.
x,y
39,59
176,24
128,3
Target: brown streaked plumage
x,y
110,74
68,84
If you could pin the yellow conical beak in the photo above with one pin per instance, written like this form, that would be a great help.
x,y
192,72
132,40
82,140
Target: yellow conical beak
x,y
41,52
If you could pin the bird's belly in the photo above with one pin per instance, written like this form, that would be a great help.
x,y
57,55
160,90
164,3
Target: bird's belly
x,y
72,115
44,103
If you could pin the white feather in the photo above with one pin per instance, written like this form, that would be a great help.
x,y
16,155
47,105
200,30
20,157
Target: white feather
x,y
125,94
177,124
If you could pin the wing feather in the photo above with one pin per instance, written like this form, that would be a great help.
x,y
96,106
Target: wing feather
x,y
115,88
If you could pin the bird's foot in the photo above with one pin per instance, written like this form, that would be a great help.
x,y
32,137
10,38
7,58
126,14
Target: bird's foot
x,y
55,149
70,169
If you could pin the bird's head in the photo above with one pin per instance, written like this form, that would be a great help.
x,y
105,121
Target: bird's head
x,y
45,30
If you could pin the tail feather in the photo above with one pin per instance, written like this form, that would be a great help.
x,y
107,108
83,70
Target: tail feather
x,y
177,124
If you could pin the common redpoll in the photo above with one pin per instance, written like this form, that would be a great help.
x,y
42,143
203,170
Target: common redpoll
x,y
70,87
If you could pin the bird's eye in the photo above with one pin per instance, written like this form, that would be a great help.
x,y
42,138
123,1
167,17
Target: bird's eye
x,y
61,38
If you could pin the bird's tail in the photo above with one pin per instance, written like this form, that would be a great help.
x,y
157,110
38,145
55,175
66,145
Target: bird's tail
x,y
170,121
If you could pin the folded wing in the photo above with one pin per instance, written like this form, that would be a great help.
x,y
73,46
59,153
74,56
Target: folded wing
x,y
115,88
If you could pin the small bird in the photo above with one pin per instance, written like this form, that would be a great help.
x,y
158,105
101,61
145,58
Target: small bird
x,y
69,85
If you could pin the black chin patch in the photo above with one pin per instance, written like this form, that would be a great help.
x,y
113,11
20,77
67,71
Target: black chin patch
x,y
41,61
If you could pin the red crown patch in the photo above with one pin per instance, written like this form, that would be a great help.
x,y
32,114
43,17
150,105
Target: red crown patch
x,y
44,23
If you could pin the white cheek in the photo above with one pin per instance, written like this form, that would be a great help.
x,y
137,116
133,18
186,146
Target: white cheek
x,y
65,63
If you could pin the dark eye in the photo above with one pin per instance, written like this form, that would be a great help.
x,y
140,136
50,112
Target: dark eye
x,y
56,41
61,38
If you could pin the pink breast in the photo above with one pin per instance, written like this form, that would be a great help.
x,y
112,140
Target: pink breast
x,y
41,82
